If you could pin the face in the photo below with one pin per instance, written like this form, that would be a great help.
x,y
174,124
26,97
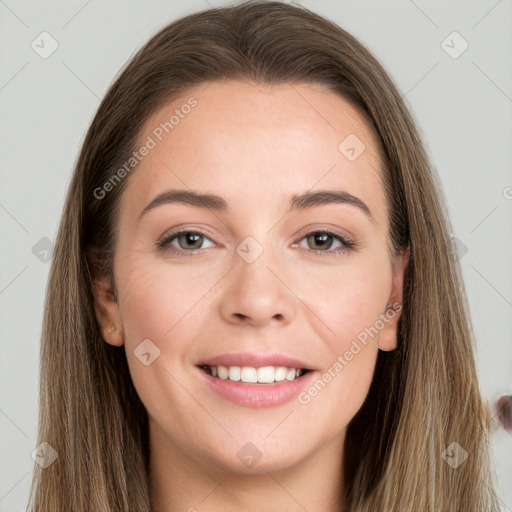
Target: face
x,y
256,278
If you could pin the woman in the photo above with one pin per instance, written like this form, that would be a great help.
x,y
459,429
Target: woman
x,y
263,369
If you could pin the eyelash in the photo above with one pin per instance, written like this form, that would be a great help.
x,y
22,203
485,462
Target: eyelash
x,y
348,245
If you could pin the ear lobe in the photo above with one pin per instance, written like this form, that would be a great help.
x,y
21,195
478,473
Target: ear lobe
x,y
391,315
107,311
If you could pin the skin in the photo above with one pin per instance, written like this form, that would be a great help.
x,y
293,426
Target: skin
x,y
254,146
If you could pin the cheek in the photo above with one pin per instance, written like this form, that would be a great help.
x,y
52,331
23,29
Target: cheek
x,y
158,297
348,299
143,298
165,305
338,393
351,312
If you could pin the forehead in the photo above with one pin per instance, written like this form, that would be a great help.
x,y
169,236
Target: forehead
x,y
250,142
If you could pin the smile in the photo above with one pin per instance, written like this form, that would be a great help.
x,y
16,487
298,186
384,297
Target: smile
x,y
252,375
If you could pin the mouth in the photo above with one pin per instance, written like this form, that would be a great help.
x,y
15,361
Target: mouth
x,y
256,379
255,374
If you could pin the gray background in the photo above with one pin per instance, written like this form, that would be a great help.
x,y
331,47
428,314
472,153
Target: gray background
x,y
463,107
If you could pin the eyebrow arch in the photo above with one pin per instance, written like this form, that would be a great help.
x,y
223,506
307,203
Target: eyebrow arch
x,y
297,202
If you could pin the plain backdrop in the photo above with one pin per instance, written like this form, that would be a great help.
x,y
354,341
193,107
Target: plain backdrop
x,y
451,61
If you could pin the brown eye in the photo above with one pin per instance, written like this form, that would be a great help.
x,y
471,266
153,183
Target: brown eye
x,y
194,239
187,241
321,242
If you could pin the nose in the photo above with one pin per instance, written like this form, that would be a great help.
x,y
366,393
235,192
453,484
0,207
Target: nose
x,y
258,293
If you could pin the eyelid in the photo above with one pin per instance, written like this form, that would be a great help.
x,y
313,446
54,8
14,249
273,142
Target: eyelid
x,y
166,239
347,242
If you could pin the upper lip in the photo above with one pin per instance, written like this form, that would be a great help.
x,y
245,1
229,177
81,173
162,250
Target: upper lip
x,y
255,359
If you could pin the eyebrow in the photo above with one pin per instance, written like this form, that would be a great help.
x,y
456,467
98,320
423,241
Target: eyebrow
x,y
296,202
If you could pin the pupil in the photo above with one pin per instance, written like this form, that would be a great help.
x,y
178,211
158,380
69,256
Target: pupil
x,y
190,238
321,237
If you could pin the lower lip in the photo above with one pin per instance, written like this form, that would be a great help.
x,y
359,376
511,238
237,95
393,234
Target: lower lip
x,y
257,396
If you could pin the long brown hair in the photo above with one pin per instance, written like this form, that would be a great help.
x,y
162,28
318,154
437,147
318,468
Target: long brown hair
x,y
424,395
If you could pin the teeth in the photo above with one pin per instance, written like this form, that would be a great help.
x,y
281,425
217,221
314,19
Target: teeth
x,y
234,373
280,373
249,374
266,374
222,372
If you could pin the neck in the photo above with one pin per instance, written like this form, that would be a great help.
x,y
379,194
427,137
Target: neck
x,y
181,482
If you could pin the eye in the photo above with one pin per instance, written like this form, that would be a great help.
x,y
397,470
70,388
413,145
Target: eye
x,y
323,240
188,241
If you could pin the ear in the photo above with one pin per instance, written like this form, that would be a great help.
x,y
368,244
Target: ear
x,y
391,314
107,311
